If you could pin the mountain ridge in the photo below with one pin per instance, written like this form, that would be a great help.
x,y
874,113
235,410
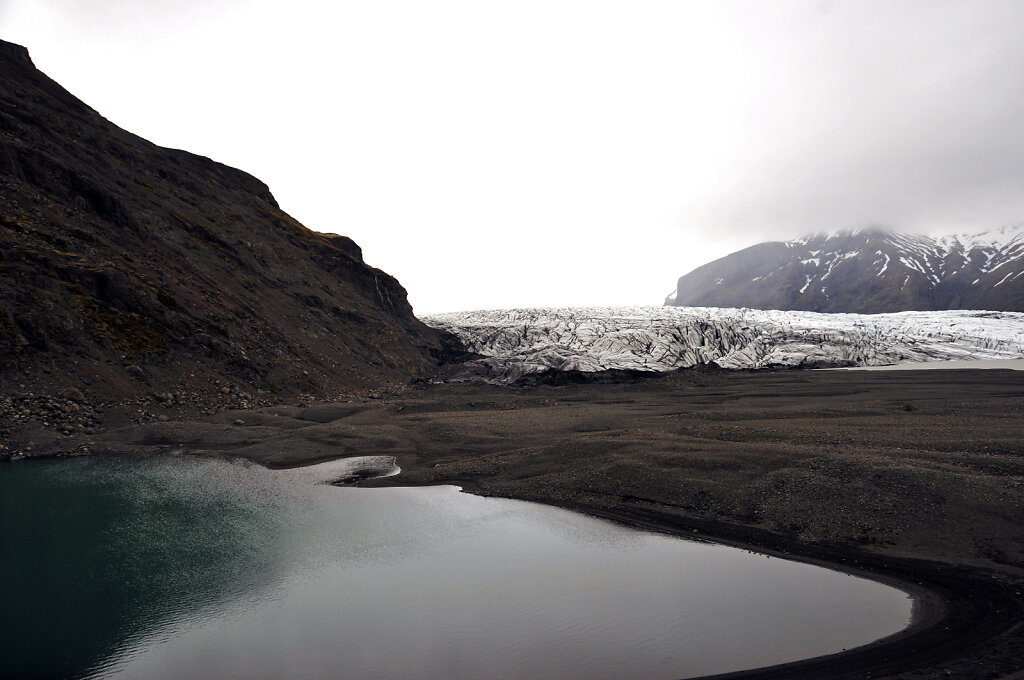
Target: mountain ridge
x,y
126,267
865,271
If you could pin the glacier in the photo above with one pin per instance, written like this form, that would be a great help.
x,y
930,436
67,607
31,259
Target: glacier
x,y
514,343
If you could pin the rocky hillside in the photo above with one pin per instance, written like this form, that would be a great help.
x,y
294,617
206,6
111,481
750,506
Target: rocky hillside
x,y
127,269
865,271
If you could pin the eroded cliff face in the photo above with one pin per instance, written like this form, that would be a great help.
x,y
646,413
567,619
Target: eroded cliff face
x,y
136,266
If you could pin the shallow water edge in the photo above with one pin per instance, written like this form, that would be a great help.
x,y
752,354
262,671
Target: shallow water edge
x,y
213,494
945,615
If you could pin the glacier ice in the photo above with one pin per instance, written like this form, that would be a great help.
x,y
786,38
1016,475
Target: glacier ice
x,y
519,342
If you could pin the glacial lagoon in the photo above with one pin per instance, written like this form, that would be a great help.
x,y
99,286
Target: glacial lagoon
x,y
170,567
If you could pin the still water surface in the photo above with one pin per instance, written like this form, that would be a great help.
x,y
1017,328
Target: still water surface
x,y
191,567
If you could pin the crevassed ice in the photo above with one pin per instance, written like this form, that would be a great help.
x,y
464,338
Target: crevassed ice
x,y
520,342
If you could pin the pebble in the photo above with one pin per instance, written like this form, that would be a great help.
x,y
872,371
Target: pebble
x,y
64,413
73,393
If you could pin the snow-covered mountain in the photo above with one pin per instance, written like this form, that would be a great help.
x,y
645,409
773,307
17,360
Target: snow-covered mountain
x,y
520,342
866,271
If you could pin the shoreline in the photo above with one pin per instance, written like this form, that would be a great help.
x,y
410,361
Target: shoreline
x,y
912,478
929,611
939,597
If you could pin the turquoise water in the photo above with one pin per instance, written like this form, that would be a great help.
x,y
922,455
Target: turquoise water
x,y
191,567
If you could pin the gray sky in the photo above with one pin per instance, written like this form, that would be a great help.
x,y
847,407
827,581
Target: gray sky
x,y
553,152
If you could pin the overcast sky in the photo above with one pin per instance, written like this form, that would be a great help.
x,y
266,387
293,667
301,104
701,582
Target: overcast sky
x,y
498,154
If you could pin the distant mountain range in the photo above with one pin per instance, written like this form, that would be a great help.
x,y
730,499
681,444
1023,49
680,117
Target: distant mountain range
x,y
865,271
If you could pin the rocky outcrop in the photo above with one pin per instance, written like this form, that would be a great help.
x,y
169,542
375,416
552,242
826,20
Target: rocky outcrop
x,y
135,266
524,342
866,271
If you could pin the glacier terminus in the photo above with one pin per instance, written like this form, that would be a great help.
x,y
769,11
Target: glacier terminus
x,y
514,343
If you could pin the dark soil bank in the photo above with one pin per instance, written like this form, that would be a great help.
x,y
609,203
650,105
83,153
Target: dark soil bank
x,y
909,476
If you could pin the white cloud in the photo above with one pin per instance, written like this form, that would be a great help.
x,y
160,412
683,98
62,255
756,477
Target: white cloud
x,y
566,152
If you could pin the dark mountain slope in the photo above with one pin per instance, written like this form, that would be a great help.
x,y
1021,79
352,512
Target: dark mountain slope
x,y
136,267
865,271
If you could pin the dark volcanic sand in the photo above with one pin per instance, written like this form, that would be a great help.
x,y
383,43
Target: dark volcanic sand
x,y
914,477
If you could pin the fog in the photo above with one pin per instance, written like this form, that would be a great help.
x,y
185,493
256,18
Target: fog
x,y
567,153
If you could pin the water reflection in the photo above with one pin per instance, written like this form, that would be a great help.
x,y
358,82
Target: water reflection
x,y
96,553
206,568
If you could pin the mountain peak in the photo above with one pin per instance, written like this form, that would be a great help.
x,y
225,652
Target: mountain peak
x,y
15,53
868,270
